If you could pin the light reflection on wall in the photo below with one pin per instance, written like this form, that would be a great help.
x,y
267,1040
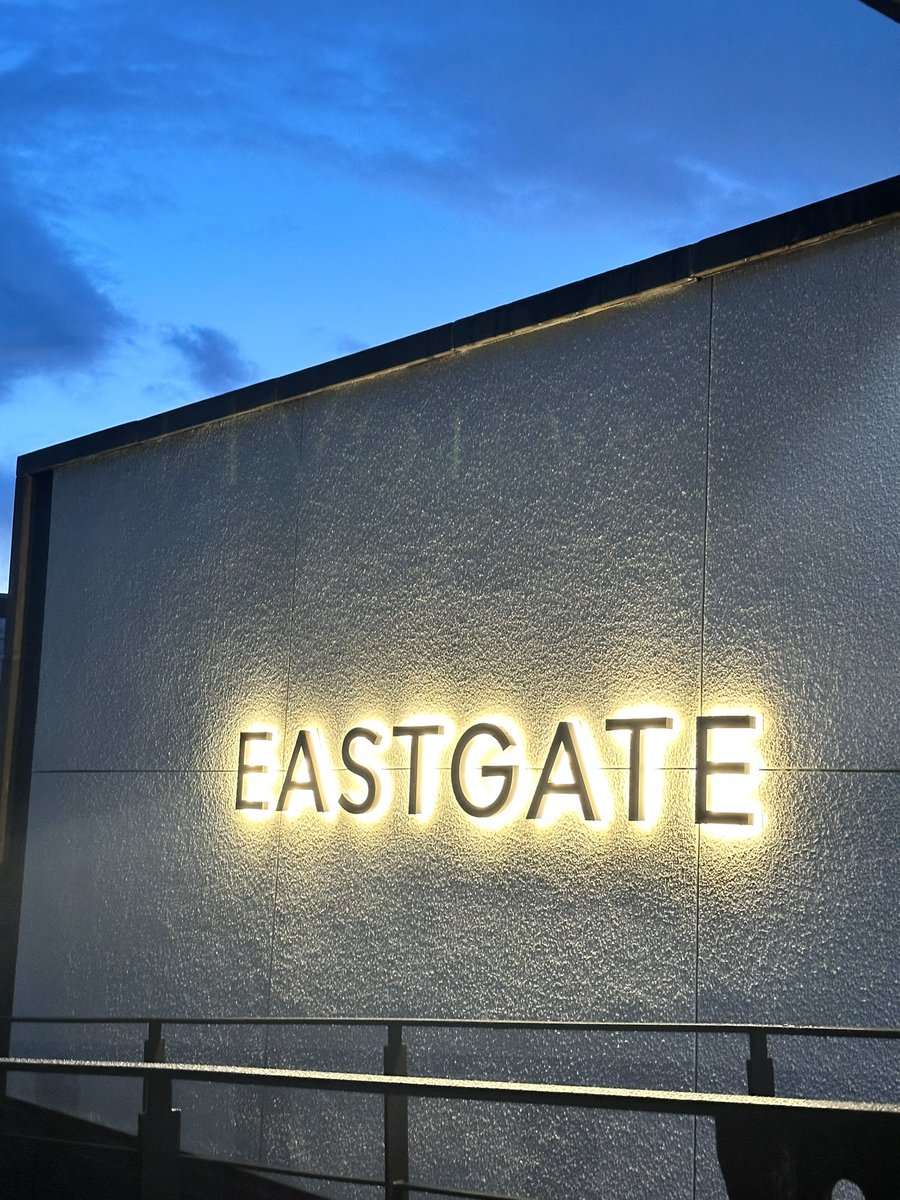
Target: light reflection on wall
x,y
736,793
368,801
567,770
485,769
655,744
482,772
259,786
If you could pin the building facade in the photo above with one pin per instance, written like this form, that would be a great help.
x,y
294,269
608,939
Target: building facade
x,y
324,679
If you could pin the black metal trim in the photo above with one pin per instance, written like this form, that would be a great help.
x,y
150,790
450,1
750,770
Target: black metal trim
x,y
18,708
888,8
812,222
4,600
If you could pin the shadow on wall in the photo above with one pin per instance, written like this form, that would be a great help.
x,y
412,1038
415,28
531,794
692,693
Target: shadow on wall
x,y
804,1153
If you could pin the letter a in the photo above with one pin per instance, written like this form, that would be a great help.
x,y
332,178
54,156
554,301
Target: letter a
x,y
563,740
304,747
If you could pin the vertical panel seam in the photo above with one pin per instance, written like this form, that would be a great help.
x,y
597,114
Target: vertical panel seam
x,y
280,824
709,351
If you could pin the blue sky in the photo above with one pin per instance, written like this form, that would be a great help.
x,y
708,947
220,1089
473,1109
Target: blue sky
x,y
197,195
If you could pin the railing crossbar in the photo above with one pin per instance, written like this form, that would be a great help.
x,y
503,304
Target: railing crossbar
x,y
462,1193
295,1172
79,1144
553,1094
717,1027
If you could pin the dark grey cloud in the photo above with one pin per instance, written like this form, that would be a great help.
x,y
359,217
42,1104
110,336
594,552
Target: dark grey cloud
x,y
79,84
679,118
53,316
213,359
651,113
650,117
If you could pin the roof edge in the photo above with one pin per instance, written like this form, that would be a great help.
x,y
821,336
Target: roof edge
x,y
888,8
810,223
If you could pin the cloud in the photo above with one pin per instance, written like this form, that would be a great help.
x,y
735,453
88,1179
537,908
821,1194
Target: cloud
x,y
345,344
615,120
594,115
53,316
337,341
588,115
213,359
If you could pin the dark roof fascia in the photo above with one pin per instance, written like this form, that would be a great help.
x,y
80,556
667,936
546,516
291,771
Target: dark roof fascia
x,y
4,599
812,222
889,8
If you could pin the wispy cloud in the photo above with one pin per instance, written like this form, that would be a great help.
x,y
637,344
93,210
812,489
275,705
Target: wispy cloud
x,y
521,115
589,117
213,359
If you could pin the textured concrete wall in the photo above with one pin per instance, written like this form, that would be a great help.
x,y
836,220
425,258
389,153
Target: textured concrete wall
x,y
686,501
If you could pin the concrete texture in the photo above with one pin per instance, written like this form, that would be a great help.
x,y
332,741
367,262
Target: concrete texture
x,y
168,599
803,541
91,941
689,501
517,529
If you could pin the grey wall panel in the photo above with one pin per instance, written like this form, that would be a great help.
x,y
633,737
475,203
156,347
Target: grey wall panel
x,y
534,1152
334,1134
219,1119
507,1148
447,919
113,1102
168,598
799,925
522,1152
144,895
518,528
802,584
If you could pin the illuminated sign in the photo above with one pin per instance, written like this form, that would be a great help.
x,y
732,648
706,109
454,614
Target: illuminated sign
x,y
488,776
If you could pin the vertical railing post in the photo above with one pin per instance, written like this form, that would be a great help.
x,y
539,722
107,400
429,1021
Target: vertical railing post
x,y
396,1119
760,1068
159,1127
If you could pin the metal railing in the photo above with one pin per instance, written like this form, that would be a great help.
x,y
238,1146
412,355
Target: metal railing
x,y
158,1137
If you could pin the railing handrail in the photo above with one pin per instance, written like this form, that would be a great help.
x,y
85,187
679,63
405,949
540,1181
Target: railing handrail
x,y
720,1027
555,1094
